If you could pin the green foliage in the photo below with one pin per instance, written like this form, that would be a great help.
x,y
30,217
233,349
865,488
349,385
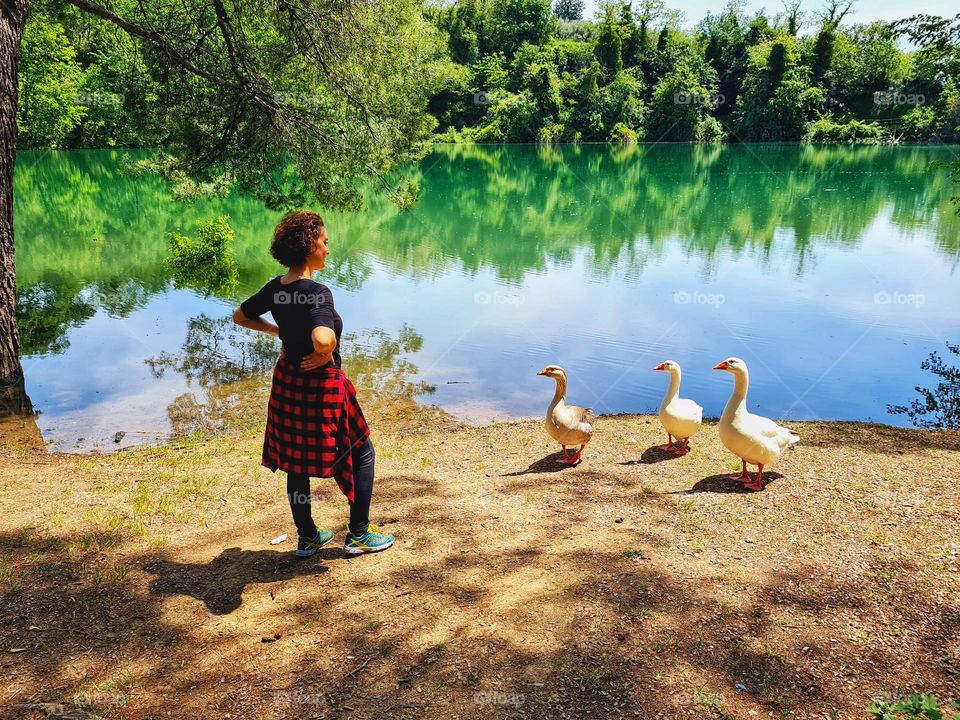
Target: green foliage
x,y
513,119
50,104
679,105
917,706
918,125
778,99
515,22
709,130
826,130
623,135
609,46
544,88
204,263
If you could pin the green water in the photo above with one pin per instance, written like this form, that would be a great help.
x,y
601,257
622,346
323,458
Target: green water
x,y
831,270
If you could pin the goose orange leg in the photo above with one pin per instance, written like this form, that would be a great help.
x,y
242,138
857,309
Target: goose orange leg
x,y
758,483
685,448
744,475
575,458
669,447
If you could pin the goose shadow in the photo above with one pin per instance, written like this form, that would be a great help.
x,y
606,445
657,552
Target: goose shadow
x,y
724,484
654,454
547,464
220,583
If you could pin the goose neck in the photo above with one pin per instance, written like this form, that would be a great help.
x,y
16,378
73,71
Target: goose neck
x,y
673,390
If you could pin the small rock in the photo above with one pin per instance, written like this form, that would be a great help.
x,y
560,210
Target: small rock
x,y
618,520
118,436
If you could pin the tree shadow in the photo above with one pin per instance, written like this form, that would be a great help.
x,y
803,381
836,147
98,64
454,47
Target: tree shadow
x,y
220,583
725,485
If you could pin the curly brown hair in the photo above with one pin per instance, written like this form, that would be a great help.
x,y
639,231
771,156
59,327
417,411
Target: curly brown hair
x,y
295,237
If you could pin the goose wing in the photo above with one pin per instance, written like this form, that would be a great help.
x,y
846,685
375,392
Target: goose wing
x,y
767,428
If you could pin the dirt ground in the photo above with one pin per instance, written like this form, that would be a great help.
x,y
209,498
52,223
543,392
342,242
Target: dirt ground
x,y
143,584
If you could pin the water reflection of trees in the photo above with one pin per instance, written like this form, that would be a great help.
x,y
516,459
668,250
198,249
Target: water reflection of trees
x,y
515,208
940,407
89,237
231,369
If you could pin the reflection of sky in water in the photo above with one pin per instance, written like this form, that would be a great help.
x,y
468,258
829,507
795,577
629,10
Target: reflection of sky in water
x,y
818,346
804,316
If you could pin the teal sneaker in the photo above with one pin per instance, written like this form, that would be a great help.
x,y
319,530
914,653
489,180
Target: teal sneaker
x,y
309,546
370,542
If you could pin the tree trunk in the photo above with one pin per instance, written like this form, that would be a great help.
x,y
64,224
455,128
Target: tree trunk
x,y
13,14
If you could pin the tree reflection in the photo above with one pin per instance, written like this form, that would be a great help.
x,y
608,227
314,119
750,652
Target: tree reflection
x,y
232,368
511,210
938,408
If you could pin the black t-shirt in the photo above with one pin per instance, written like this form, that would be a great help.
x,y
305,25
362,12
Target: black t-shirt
x,y
297,308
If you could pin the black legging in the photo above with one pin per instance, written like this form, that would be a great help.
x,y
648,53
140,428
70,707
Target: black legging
x,y
298,493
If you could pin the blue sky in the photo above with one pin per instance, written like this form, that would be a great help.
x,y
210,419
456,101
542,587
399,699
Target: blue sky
x,y
864,11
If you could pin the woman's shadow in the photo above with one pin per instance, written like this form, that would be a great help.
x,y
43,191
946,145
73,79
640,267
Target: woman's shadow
x,y
220,582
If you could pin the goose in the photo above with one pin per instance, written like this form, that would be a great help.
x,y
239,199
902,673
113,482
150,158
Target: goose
x,y
680,418
567,424
754,439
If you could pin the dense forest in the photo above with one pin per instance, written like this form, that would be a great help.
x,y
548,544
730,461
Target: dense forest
x,y
523,71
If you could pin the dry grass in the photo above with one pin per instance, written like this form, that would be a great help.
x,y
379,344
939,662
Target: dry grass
x,y
143,585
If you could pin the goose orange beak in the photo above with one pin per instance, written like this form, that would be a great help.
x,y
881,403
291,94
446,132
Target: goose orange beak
x,y
720,366
659,367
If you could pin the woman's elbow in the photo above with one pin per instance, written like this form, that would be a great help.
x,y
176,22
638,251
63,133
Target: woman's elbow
x,y
238,317
324,340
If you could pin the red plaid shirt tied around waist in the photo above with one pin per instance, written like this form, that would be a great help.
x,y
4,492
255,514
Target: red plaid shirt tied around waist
x,y
314,423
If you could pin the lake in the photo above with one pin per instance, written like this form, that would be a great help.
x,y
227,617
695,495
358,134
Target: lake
x,y
831,270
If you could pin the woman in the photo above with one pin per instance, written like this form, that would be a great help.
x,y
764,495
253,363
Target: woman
x,y
315,427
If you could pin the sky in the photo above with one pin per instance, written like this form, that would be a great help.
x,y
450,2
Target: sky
x,y
864,11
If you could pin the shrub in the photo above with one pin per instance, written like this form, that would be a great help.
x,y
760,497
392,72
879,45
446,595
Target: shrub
x,y
825,130
919,124
623,135
709,130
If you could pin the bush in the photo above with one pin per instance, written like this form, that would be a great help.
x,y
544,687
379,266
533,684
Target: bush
x,y
623,135
825,130
919,124
513,119
709,130
550,134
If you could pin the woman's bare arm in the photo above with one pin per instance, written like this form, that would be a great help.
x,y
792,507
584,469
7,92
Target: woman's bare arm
x,y
258,324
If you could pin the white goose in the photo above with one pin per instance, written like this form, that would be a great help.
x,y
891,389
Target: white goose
x,y
567,424
754,439
680,418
